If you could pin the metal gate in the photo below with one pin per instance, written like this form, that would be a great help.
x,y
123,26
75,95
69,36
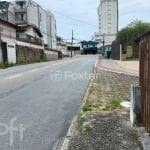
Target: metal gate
x,y
145,82
4,52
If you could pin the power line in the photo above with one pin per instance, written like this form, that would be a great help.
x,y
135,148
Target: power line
x,y
77,20
44,32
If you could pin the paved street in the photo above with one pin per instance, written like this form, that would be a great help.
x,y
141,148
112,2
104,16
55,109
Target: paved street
x,y
42,100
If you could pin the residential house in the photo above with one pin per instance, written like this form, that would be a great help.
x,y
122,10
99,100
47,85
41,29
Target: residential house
x,y
30,34
28,37
7,42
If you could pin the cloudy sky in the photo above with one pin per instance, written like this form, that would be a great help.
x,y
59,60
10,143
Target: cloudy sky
x,y
81,15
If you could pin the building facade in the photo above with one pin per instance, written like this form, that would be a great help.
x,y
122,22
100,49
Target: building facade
x,y
19,42
7,11
7,42
30,12
108,20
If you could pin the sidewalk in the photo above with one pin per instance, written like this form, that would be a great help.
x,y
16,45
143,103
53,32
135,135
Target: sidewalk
x,y
102,124
122,67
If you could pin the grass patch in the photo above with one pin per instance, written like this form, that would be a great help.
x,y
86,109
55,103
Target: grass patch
x,y
112,104
86,128
5,65
80,115
86,107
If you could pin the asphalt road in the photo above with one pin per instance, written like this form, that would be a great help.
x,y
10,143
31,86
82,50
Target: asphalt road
x,y
38,101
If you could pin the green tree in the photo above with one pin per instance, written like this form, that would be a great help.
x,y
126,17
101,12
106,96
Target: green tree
x,y
128,34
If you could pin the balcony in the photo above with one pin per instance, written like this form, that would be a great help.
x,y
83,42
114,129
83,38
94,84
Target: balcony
x,y
20,22
20,10
30,39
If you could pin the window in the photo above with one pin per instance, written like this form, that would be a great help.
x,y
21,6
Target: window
x,y
40,17
1,29
22,18
3,5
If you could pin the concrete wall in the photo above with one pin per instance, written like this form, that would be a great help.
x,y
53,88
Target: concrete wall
x,y
11,52
51,30
11,14
31,32
43,24
7,7
50,55
45,21
129,51
37,16
33,15
1,59
7,31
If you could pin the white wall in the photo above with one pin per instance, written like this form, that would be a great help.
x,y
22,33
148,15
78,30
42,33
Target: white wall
x,y
38,16
51,29
11,14
32,15
31,32
45,21
11,52
1,59
43,24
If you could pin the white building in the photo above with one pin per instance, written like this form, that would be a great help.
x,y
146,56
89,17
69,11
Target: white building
x,y
51,30
33,13
108,20
30,12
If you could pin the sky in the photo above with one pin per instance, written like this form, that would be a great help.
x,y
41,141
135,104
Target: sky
x,y
81,15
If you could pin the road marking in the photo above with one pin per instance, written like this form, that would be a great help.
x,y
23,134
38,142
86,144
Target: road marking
x,y
14,76
35,70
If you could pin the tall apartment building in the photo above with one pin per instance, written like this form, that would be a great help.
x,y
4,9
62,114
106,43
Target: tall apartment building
x,y
30,12
108,20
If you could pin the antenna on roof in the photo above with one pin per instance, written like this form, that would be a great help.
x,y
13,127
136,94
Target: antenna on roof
x,y
29,2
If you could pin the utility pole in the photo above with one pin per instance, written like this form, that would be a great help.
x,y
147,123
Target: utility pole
x,y
103,42
71,43
117,15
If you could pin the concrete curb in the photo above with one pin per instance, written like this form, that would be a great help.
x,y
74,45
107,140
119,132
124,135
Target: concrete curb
x,y
72,128
113,70
144,138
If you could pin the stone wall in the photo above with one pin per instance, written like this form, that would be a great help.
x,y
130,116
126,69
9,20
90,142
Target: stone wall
x,y
28,54
128,54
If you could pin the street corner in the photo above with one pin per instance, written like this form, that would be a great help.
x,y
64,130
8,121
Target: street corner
x,y
103,66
